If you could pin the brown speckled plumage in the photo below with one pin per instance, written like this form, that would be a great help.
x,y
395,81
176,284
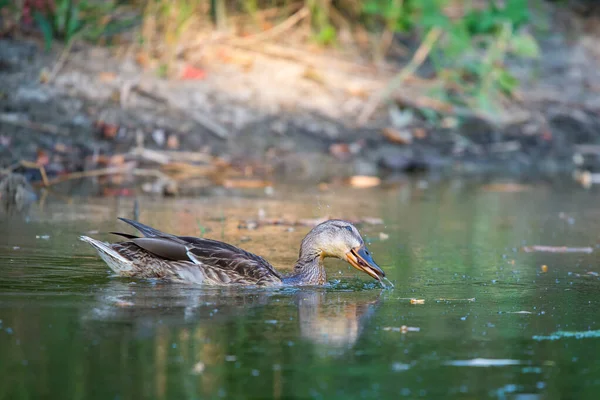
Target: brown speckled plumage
x,y
206,261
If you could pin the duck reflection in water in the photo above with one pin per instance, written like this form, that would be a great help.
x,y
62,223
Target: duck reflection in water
x,y
325,317
335,319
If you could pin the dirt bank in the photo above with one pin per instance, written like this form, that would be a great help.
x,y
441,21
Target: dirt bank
x,y
267,113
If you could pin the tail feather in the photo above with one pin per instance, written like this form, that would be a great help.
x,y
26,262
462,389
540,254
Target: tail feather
x,y
125,235
145,229
115,261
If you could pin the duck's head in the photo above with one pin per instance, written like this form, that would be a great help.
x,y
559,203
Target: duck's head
x,y
340,239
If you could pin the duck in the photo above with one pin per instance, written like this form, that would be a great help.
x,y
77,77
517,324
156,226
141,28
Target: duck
x,y
188,259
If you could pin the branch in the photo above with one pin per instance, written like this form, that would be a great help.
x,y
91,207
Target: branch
x,y
279,29
418,58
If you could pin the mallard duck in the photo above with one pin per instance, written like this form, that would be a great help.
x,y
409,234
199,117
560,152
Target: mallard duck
x,y
206,261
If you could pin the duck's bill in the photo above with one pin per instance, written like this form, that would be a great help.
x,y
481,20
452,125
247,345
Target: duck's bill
x,y
360,258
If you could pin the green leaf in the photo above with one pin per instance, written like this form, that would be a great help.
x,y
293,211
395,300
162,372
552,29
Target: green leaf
x,y
516,11
459,41
46,27
524,45
74,23
61,15
372,7
327,35
507,82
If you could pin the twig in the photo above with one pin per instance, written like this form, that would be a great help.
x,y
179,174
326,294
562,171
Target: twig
x,y
417,101
109,171
557,249
41,168
414,64
304,57
213,127
36,126
62,59
278,29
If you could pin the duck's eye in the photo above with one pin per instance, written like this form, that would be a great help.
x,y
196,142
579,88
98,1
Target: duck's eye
x,y
349,228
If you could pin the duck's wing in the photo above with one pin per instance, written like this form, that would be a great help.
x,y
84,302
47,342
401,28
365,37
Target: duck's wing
x,y
227,262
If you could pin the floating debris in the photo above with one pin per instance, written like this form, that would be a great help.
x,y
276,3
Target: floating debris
x,y
569,335
383,236
198,368
417,301
484,362
557,249
124,303
402,329
472,299
544,269
519,312
398,366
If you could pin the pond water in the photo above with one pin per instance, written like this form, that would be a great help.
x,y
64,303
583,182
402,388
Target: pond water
x,y
493,323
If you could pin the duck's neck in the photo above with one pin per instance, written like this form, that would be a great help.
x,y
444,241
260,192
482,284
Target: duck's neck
x,y
309,270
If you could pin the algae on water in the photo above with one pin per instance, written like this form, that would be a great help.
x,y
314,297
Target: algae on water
x,y
566,334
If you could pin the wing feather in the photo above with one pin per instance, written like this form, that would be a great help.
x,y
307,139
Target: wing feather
x,y
220,261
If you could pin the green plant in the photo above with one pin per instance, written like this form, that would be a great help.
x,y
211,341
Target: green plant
x,y
61,21
469,58
64,19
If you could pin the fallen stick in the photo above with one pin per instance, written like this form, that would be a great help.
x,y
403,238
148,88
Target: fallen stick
x,y
213,127
277,30
557,249
61,60
35,126
414,64
41,168
109,171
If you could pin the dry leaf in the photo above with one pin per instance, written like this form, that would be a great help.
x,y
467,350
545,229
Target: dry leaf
x,y
312,75
396,136
107,76
173,142
544,268
323,186
143,59
420,133
42,158
364,181
192,73
417,301
340,151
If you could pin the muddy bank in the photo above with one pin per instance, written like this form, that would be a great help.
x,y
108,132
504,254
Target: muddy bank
x,y
268,118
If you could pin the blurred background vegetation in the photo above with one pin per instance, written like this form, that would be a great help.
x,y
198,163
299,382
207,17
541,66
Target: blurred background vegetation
x,y
466,42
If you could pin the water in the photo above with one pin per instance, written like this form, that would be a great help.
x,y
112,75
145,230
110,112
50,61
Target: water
x,y
491,324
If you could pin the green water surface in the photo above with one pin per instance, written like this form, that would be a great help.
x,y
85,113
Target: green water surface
x,y
492,325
